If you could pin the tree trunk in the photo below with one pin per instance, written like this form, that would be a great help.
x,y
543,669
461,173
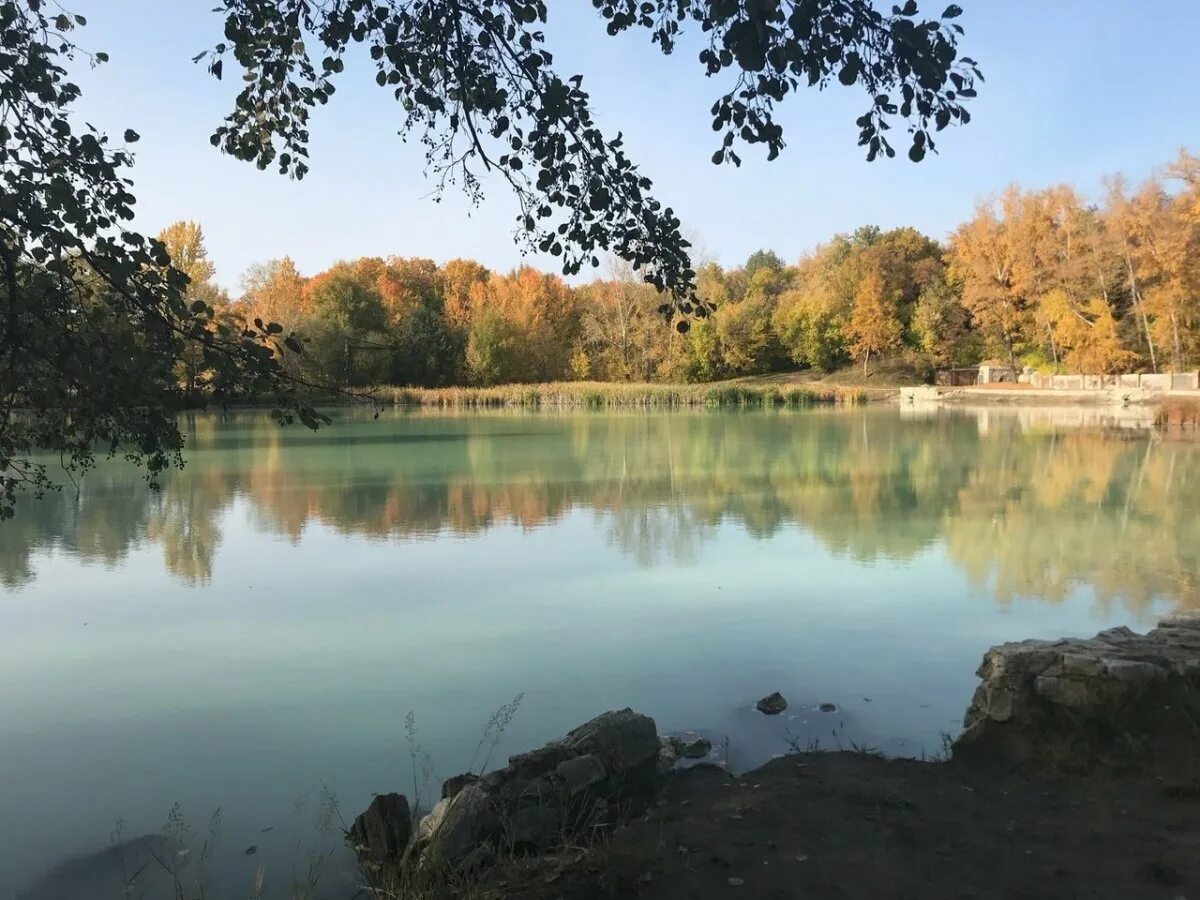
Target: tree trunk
x,y
1178,345
1141,312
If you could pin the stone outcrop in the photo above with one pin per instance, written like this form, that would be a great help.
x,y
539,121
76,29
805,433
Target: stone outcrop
x,y
527,804
1116,691
381,833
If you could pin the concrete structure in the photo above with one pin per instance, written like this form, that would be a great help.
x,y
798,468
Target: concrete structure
x,y
1163,381
985,373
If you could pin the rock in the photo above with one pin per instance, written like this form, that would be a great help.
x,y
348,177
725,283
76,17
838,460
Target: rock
x,y
1081,698
452,786
668,754
381,833
696,749
467,820
535,826
828,707
675,748
581,772
772,704
622,739
613,757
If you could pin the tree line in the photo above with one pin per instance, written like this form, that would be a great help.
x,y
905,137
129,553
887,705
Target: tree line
x,y
1035,278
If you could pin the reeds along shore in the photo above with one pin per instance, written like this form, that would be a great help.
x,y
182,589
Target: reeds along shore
x,y
602,395
1176,413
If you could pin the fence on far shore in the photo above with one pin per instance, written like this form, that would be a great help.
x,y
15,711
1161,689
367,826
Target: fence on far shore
x,y
1000,375
1162,381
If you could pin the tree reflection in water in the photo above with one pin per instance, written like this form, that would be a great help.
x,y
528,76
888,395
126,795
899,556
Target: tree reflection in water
x,y
1026,506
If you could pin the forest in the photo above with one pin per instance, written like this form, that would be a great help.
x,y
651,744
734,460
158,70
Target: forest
x,y
1040,278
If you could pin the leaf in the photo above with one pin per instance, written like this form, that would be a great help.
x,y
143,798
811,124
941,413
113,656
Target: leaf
x,y
131,136
953,11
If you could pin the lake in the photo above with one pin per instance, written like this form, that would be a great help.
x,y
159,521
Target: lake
x,y
252,637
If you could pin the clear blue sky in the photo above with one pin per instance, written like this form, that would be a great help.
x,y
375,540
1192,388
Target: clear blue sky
x,y
1075,89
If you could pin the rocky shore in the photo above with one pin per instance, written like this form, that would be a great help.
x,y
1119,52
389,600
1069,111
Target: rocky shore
x,y
1077,774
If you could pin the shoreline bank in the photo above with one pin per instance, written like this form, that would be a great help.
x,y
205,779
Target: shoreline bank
x,y
1076,773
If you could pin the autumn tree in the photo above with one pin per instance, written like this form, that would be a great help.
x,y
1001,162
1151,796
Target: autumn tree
x,y
810,318
1086,334
459,278
874,327
184,243
1123,225
619,333
984,259
274,291
747,339
525,308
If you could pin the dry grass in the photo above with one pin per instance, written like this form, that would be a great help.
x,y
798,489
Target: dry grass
x,y
607,395
1178,413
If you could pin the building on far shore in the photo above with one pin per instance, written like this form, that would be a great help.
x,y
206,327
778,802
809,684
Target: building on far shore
x,y
988,372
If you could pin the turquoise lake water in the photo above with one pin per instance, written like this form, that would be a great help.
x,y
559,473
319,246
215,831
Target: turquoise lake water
x,y
253,635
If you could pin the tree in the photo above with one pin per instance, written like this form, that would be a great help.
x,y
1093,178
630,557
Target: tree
x,y
541,310
275,292
184,243
93,316
873,327
1121,224
1086,334
617,328
810,318
941,327
346,301
763,259
984,260
476,82
493,349
459,277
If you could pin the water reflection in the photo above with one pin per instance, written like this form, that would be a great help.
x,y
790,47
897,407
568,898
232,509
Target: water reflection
x,y
1026,506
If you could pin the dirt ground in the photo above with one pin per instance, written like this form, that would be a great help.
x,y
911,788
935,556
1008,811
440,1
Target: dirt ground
x,y
849,825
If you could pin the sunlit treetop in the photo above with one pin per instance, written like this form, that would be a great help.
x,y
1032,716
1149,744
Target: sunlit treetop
x,y
476,82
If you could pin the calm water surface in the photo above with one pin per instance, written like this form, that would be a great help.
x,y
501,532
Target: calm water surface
x,y
254,634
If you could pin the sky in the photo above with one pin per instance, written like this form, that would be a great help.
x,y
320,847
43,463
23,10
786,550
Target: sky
x,y
1076,89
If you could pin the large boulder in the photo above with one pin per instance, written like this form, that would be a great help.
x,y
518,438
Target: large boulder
x,y
380,835
527,804
1078,701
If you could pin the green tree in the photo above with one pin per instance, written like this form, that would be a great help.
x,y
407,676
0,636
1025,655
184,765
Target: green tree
x,y
941,327
493,349
763,259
